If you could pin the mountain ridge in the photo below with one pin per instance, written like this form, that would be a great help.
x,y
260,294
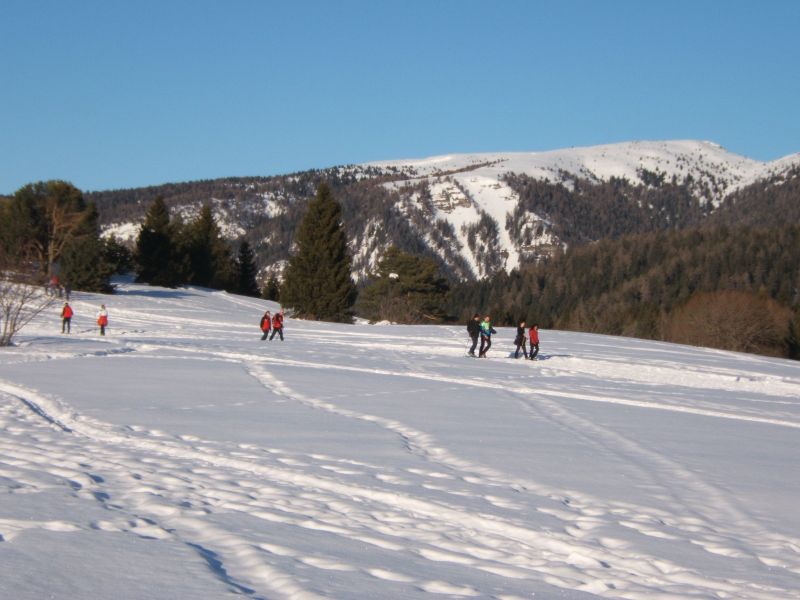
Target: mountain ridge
x,y
462,208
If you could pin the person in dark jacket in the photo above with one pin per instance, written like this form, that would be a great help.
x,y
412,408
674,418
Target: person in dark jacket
x,y
486,336
277,325
266,324
520,341
474,331
533,334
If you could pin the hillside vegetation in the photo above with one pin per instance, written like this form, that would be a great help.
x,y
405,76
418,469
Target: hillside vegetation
x,y
621,249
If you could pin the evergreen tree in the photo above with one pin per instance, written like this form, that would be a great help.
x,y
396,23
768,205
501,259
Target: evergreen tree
x,y
246,271
317,283
83,259
272,290
157,262
117,255
209,255
406,289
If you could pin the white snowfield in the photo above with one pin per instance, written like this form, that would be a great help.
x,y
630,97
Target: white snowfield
x,y
180,457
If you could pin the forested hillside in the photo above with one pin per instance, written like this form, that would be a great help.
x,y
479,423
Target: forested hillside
x,y
628,254
655,286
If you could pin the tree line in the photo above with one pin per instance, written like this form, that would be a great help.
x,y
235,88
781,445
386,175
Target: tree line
x,y
666,281
654,285
170,252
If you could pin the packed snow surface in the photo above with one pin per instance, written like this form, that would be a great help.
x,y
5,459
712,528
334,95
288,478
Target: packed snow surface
x,y
180,457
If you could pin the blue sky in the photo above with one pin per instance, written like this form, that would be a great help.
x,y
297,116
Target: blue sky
x,y
114,94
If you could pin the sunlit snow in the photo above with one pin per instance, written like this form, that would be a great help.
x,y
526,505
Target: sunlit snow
x,y
180,457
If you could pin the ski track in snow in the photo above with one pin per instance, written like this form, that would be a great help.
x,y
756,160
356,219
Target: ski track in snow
x,y
489,529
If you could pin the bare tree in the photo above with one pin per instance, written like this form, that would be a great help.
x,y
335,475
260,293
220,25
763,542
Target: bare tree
x,y
731,320
22,297
46,216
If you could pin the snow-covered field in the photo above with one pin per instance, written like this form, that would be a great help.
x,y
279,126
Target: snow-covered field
x,y
180,457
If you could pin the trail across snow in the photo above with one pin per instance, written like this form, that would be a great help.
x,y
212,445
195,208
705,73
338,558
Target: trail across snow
x,y
181,457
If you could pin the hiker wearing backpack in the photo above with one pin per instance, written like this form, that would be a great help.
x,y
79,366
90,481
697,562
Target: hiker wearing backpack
x,y
474,331
520,341
66,317
265,325
486,336
533,334
102,319
277,325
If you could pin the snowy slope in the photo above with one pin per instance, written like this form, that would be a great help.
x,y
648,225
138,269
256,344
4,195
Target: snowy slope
x,y
180,457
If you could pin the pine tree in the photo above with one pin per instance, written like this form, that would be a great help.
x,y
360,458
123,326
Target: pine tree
x,y
246,271
156,257
83,259
118,255
406,289
272,289
209,255
317,283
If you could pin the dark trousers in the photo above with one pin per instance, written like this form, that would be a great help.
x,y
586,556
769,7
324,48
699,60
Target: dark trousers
x,y
474,344
65,324
524,350
534,350
486,343
266,333
278,330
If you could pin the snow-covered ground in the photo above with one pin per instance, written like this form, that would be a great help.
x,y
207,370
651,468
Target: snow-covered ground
x,y
180,457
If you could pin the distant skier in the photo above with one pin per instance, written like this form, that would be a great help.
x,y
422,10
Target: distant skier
x,y
520,341
533,334
474,331
266,324
277,325
66,317
486,336
102,319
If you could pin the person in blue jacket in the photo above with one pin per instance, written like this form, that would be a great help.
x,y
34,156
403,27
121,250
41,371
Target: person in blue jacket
x,y
486,336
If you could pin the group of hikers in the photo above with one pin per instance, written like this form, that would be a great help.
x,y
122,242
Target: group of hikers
x,y
67,313
272,322
269,322
56,289
483,330
272,325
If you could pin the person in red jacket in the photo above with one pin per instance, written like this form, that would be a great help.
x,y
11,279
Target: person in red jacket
x,y
266,323
66,317
102,319
277,325
533,335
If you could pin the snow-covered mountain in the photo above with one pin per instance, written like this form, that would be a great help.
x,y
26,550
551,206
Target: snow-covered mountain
x,y
703,161
464,187
461,207
179,457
